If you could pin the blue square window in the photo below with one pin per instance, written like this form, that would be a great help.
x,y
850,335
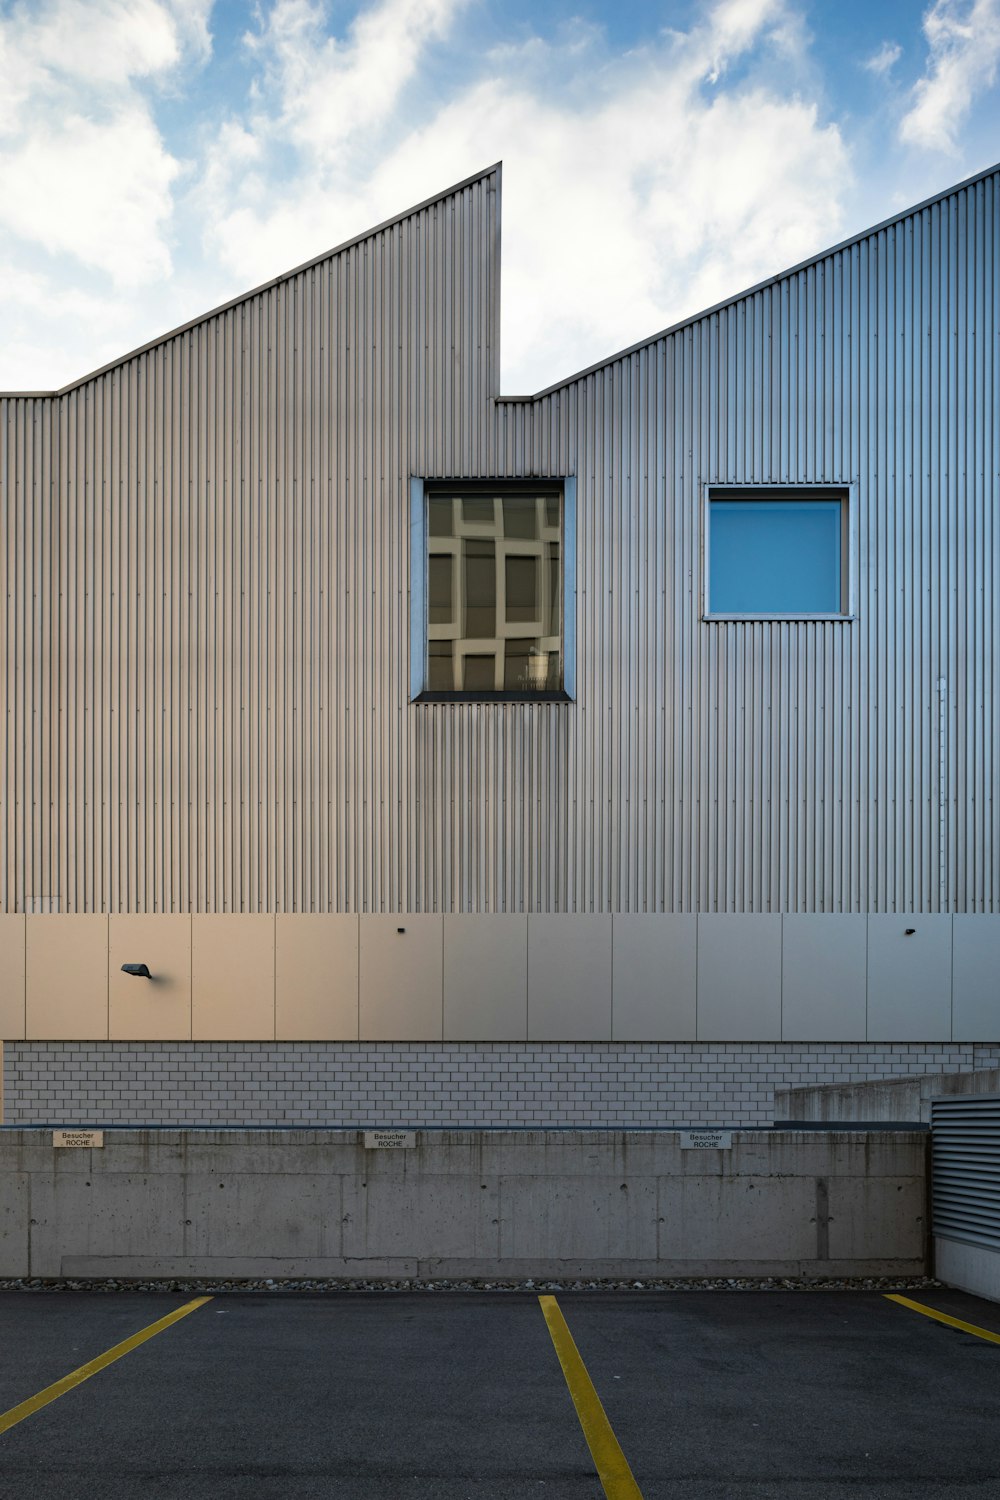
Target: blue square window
x,y
777,555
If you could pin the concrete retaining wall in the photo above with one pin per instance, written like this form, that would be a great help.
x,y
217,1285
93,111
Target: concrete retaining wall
x,y
462,1202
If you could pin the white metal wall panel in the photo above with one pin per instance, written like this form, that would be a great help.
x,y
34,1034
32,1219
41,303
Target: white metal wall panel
x,y
12,990
485,978
569,978
157,1009
316,978
204,584
401,979
975,978
739,978
654,978
824,978
909,978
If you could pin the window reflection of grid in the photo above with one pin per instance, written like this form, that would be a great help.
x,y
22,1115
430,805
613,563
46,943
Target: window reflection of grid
x,y
494,593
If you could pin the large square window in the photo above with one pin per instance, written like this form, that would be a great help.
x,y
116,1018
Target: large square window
x,y
492,589
778,553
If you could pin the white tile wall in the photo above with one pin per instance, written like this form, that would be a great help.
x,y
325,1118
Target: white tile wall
x,y
426,1084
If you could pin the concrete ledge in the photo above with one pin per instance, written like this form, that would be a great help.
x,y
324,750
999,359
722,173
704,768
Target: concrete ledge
x,y
892,1099
154,1203
138,1268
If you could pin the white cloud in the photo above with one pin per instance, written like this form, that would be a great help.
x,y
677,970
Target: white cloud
x,y
733,26
963,38
84,171
883,59
191,18
632,193
95,44
332,90
40,314
98,191
639,185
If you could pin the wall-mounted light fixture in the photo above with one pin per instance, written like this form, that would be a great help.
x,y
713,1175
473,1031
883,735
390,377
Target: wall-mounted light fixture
x,y
138,971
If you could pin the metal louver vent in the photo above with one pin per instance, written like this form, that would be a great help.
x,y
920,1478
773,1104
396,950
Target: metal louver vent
x,y
965,1145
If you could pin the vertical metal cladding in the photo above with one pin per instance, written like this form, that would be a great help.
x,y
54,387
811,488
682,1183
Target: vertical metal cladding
x,y
772,766
204,557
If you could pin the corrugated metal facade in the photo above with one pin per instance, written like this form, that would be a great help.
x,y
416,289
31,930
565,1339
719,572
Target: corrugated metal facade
x,y
205,560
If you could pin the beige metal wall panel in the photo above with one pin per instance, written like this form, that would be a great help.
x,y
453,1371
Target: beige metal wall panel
x,y
316,978
739,978
824,978
654,989
204,586
232,978
66,977
401,979
12,955
569,978
486,978
159,1008
975,979
909,978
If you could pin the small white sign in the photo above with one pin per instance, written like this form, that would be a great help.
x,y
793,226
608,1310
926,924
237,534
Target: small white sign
x,y
706,1140
78,1138
390,1140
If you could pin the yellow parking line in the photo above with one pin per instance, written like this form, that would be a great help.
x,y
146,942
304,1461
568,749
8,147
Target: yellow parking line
x,y
932,1312
52,1392
610,1462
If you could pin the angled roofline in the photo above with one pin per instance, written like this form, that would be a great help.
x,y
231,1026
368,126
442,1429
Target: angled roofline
x,y
265,286
567,380
759,286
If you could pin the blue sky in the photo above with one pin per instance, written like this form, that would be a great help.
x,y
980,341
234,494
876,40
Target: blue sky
x,y
160,156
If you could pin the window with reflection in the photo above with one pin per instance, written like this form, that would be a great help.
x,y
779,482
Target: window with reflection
x,y
494,590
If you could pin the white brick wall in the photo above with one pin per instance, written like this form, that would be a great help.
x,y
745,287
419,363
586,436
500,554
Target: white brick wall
x,y
456,1084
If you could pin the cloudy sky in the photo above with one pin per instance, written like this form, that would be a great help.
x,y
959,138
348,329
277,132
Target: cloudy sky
x,y
158,157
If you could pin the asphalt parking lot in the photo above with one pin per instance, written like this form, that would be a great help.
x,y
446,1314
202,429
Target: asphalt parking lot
x,y
374,1396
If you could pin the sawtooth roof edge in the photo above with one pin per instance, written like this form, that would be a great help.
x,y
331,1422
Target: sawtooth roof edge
x,y
315,260
750,291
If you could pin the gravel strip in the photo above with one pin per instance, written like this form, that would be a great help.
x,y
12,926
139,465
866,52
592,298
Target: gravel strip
x,y
198,1287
